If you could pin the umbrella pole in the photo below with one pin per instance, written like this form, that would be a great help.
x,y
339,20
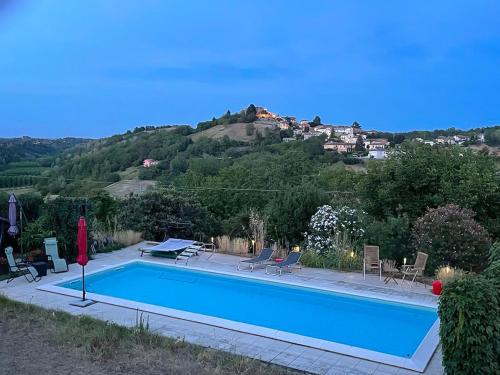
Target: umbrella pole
x,y
83,282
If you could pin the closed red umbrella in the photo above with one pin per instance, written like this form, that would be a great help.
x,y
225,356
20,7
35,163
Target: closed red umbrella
x,y
82,257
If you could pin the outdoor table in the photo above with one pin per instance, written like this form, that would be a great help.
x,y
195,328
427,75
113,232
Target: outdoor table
x,y
391,271
41,267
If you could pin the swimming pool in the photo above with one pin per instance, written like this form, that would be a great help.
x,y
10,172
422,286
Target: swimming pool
x,y
388,332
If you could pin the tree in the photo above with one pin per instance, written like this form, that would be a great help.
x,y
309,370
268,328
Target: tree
x,y
451,236
418,176
179,165
392,235
316,121
163,212
289,212
398,138
360,145
356,125
250,114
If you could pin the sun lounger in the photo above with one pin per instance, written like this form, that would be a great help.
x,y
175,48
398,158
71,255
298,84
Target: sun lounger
x,y
291,261
263,257
414,270
172,245
52,252
18,269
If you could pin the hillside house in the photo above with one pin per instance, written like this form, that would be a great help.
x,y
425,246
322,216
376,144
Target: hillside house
x,y
347,138
342,129
148,163
376,143
264,114
304,125
311,134
377,153
324,129
461,139
446,140
339,146
283,124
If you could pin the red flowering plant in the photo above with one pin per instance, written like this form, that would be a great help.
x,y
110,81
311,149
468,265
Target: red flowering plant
x,y
450,236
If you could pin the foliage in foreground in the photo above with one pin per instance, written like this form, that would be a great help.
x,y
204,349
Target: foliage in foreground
x,y
470,326
469,310
125,350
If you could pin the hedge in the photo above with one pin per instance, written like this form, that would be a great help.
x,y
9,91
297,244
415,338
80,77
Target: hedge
x,y
470,325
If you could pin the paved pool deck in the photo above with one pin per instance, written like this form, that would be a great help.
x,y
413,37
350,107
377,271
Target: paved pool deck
x,y
299,357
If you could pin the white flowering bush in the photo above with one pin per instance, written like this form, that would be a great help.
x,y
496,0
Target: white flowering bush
x,y
348,221
327,225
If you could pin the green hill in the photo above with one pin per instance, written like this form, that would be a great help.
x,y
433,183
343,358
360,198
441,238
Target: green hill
x,y
26,148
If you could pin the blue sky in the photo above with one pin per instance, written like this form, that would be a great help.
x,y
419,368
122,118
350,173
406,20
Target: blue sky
x,y
95,68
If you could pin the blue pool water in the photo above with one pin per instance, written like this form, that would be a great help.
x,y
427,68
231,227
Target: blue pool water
x,y
386,327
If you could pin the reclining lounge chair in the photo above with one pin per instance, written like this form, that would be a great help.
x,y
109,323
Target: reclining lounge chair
x,y
263,257
291,261
51,250
18,269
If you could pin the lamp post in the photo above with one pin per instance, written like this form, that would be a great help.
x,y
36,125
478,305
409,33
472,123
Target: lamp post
x,y
253,247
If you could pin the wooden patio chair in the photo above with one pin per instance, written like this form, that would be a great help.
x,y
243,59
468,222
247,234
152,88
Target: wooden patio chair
x,y
415,270
371,260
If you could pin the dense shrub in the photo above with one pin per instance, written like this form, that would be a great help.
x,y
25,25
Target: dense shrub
x,y
470,326
164,213
495,252
327,223
392,236
34,233
341,260
61,215
450,235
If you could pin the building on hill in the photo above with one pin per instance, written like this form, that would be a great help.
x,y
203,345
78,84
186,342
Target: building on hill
x,y
283,124
352,138
376,143
481,136
304,125
311,134
377,153
264,114
446,140
340,147
148,163
461,139
324,129
342,129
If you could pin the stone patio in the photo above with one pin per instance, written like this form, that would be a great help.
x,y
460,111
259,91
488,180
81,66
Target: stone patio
x,y
266,349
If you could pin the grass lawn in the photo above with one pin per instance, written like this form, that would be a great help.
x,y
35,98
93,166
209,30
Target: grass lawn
x,y
39,341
